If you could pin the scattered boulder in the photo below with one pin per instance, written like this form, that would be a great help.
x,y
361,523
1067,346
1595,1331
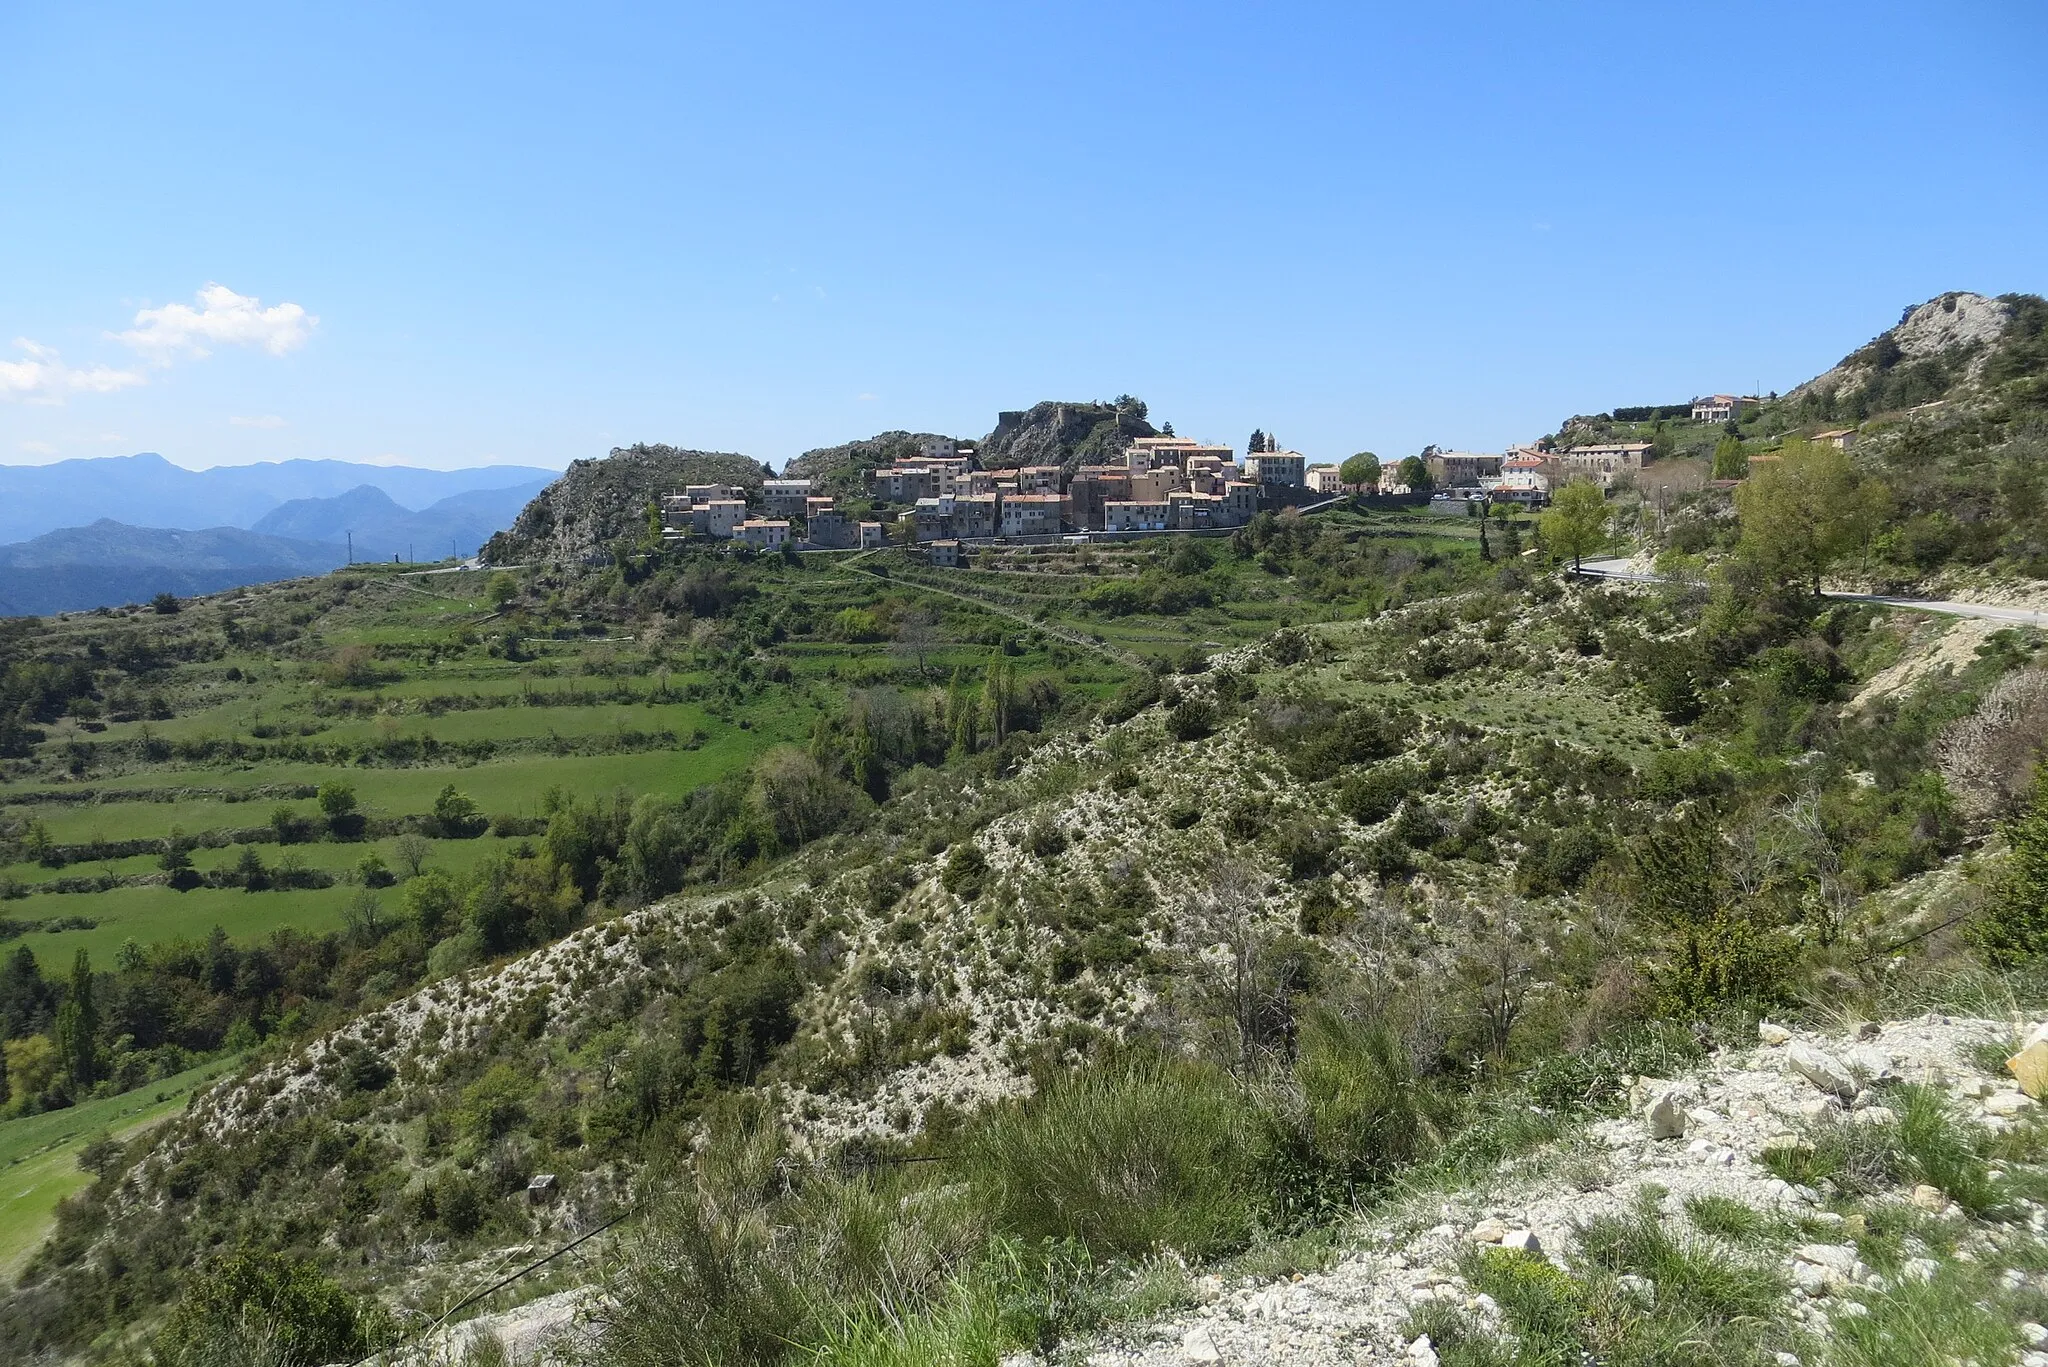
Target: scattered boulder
x,y
1523,1241
1873,1065
2006,1105
1929,1198
1488,1232
1422,1353
1197,1345
1665,1116
1837,1257
1820,1068
2030,1065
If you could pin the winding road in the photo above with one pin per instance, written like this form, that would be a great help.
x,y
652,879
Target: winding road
x,y
1626,570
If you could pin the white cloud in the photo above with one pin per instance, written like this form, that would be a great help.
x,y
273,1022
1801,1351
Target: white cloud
x,y
41,376
39,448
223,318
265,420
865,398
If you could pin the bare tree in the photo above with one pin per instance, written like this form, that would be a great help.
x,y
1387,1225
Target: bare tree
x,y
1255,988
413,850
1504,945
1832,898
917,631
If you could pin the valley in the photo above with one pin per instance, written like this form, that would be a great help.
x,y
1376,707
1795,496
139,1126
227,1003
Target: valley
x,y
1105,946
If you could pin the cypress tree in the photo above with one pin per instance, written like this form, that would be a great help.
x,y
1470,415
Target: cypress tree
x,y
78,1025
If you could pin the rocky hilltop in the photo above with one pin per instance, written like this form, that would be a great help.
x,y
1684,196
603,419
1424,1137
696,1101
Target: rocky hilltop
x,y
842,465
597,501
1954,344
1053,433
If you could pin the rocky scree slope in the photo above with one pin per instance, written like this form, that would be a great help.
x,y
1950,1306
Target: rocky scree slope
x,y
597,501
1844,1260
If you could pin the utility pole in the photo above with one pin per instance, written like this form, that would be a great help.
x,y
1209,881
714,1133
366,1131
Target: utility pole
x,y
351,546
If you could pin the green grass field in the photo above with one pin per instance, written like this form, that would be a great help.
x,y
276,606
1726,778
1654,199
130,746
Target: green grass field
x,y
39,1154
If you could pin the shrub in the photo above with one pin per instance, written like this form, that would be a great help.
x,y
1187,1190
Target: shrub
x,y
966,871
1192,719
257,1307
456,816
1306,847
1374,795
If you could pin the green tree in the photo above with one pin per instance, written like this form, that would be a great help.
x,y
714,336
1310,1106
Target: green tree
x,y
337,799
1731,459
78,1025
1806,510
1413,471
997,697
1575,524
1361,469
456,815
432,900
1256,444
1719,952
501,589
2015,927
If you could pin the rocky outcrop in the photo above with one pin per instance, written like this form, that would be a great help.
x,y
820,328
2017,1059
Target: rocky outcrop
x,y
843,464
1949,337
1065,434
597,501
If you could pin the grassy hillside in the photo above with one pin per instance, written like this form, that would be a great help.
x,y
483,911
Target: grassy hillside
x,y
1334,804
40,1155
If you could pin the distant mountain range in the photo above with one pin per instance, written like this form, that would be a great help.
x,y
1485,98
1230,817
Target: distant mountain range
x,y
147,490
379,528
109,562
94,533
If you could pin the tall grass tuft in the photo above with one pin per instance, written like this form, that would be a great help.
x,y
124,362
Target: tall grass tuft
x,y
1357,1111
1942,1150
1145,1154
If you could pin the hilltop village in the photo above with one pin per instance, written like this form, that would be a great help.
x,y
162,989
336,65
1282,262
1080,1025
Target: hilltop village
x,y
944,499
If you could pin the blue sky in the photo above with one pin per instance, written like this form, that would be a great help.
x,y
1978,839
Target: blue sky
x,y
453,235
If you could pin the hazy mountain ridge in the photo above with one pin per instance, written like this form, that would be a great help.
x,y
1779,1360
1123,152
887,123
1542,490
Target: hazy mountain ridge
x,y
381,528
110,562
147,490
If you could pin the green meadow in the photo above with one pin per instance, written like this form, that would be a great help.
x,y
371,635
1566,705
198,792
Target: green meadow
x,y
39,1154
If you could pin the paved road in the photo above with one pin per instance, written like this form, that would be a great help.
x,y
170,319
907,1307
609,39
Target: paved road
x,y
1994,612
